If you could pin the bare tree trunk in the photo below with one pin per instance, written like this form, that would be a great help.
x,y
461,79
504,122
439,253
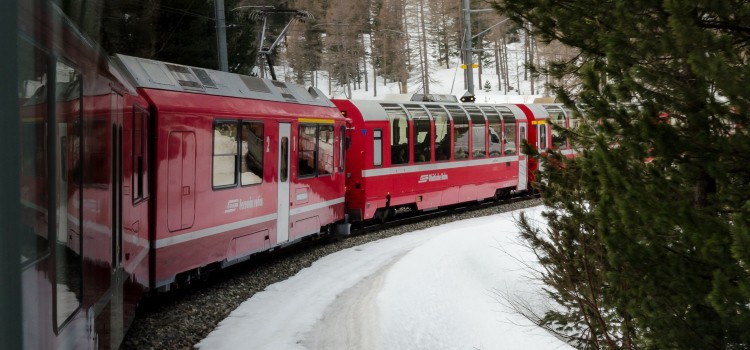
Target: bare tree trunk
x,y
497,64
374,70
479,62
532,46
406,35
424,48
525,54
426,67
506,75
364,61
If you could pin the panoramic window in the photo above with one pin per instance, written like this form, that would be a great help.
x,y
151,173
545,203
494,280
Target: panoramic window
x,y
442,133
509,131
478,133
460,133
225,154
495,128
399,127
557,120
422,134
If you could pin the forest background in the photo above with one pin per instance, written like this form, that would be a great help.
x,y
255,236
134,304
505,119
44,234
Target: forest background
x,y
332,42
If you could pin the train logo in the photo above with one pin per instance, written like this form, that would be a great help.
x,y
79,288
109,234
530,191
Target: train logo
x,y
235,204
432,178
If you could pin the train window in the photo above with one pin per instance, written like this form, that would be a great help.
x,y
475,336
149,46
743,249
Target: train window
x,y
32,99
495,131
460,133
557,120
306,150
225,154
284,168
399,127
542,127
139,152
442,133
377,147
422,134
325,149
509,131
342,149
68,262
478,132
251,157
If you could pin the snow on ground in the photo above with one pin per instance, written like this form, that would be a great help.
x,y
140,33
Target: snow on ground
x,y
439,288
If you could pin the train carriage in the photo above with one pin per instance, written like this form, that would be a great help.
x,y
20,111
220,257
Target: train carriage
x,y
427,155
240,164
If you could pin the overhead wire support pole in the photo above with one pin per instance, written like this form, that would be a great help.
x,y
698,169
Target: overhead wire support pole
x,y
221,34
467,48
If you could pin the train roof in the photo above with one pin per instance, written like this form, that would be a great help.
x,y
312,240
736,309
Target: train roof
x,y
372,110
151,74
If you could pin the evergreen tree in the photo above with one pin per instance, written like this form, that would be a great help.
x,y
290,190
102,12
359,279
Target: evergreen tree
x,y
487,86
665,181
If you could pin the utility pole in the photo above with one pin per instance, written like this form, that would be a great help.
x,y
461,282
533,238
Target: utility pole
x,y
468,50
221,35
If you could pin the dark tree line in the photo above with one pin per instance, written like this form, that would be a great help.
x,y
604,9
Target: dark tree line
x,y
648,243
179,31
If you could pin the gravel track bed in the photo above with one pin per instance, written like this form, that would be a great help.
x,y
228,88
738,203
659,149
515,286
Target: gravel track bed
x,y
182,318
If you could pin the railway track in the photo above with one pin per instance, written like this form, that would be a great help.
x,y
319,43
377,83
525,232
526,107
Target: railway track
x,y
183,317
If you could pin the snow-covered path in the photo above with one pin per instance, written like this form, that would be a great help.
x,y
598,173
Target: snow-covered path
x,y
430,289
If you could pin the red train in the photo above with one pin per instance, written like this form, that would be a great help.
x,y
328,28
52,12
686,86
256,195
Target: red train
x,y
424,155
138,175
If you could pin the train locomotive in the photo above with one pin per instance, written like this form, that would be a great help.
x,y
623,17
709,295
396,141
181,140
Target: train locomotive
x,y
139,176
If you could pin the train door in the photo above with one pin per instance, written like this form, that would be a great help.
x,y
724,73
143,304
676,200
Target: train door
x,y
523,162
181,150
282,209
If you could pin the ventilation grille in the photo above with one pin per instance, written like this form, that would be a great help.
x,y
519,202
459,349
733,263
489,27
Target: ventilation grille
x,y
255,84
285,92
185,77
204,78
